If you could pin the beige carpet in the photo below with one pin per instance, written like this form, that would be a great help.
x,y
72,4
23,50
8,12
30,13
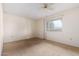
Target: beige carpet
x,y
38,47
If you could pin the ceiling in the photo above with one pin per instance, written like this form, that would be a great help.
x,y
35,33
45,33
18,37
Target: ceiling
x,y
35,10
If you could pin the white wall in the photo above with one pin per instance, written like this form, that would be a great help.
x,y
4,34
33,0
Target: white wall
x,y
16,28
1,28
39,28
70,32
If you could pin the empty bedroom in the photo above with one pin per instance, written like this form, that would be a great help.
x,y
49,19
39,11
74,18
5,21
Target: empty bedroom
x,y
40,29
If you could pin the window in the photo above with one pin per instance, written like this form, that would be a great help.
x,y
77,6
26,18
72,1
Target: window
x,y
55,25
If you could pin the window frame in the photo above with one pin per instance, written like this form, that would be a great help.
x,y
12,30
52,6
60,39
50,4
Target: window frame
x,y
53,19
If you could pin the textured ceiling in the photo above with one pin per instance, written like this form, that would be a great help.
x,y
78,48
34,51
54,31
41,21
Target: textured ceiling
x,y
35,10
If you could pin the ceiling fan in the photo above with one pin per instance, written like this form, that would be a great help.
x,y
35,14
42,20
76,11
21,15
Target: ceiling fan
x,y
47,6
